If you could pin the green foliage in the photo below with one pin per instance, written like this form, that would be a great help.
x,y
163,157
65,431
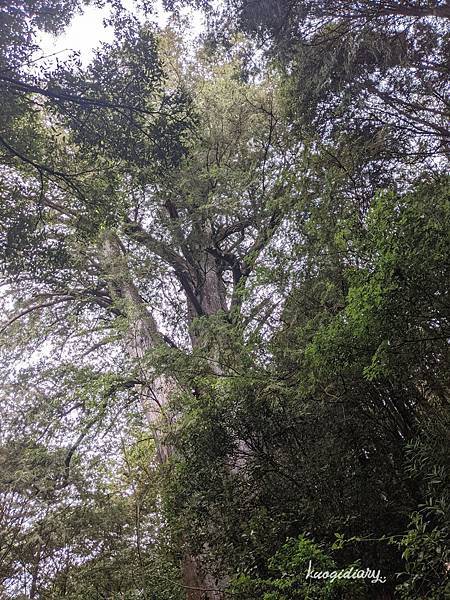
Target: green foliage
x,y
288,570
426,558
320,409
225,289
395,320
425,546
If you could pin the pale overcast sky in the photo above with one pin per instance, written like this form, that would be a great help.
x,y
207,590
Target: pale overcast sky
x,y
86,31
83,34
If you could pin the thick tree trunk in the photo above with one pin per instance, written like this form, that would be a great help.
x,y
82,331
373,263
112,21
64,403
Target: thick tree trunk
x,y
209,299
199,585
142,336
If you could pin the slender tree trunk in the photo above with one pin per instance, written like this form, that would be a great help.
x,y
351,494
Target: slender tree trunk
x,y
35,574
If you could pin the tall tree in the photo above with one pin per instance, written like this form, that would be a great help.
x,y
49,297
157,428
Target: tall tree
x,y
234,258
128,210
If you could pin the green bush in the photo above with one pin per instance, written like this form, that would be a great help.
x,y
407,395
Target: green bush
x,y
287,580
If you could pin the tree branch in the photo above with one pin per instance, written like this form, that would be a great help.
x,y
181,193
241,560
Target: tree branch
x,y
73,98
33,308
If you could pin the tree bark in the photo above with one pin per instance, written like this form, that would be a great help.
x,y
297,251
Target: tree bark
x,y
142,336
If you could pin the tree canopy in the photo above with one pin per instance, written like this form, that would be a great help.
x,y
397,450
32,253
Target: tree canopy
x,y
225,267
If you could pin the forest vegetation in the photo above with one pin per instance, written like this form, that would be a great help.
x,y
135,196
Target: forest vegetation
x,y
225,271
